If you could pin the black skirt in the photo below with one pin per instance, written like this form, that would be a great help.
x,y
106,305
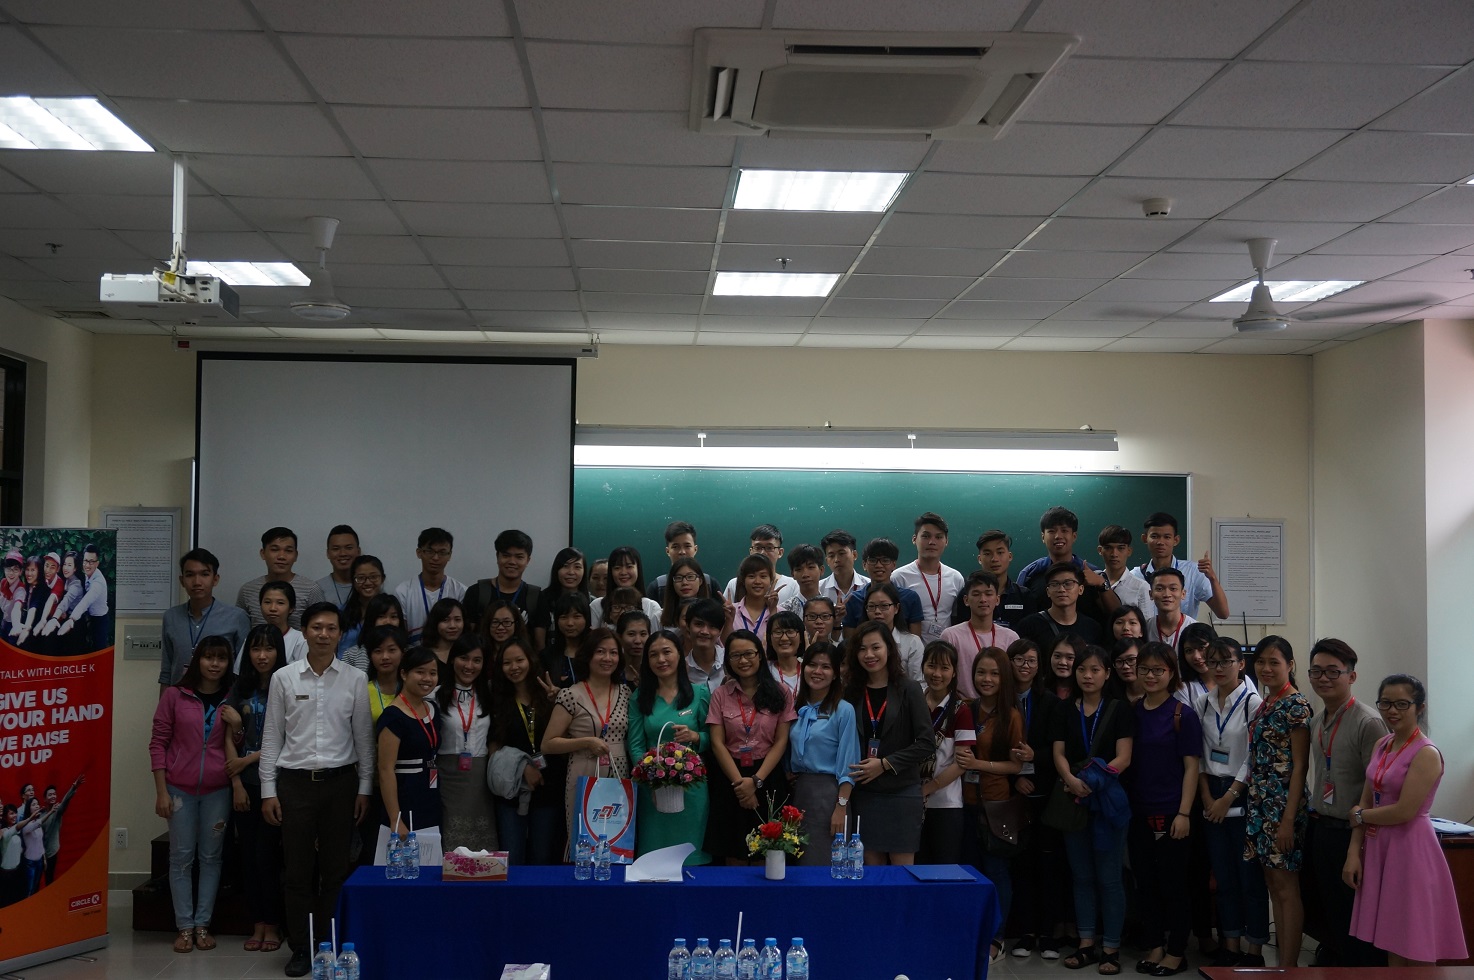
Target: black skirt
x,y
727,822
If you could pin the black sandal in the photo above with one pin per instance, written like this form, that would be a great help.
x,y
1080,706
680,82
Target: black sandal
x,y
1082,957
1111,960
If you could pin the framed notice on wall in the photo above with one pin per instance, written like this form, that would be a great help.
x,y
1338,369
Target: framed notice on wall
x,y
148,550
1249,556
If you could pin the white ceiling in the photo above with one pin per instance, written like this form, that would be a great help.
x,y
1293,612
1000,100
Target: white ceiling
x,y
520,169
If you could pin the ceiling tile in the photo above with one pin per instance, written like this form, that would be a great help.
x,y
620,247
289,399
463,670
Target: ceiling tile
x,y
849,340
1068,265
322,177
1401,239
1402,291
904,287
369,217
864,326
632,137
463,219
1122,197
803,227
1448,268
226,127
643,281
983,194
642,321
369,275
1258,345
1148,345
217,246
1200,330
1085,90
1084,328
757,324
470,18
929,261
1447,107
765,305
690,256
610,76
1225,153
411,71
1346,266
613,23
975,328
666,338
1033,289
39,211
66,172
952,342
660,187
441,134
463,180
14,269
1451,204
497,251
715,338
520,299
1187,28
79,243
641,224
1413,157
25,68
1305,96
776,152
9,183
1194,265
509,277
179,14
1310,200
956,230
1003,309
1160,290
890,309
1061,344
1110,234
399,299
643,303
899,15
1033,148
804,258
549,320
227,65
1366,32
1230,236
73,268
1142,312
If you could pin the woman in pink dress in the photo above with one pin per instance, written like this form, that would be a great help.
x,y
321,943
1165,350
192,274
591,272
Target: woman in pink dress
x,y
1405,901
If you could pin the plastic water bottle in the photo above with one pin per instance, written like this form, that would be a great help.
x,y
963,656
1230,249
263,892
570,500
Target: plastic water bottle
x,y
770,961
411,852
394,858
703,966
348,963
323,963
583,859
839,857
726,961
601,861
857,857
678,963
798,960
748,961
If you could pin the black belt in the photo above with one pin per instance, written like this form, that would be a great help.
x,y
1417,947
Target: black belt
x,y
316,775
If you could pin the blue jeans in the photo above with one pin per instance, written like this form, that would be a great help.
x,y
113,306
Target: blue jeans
x,y
1243,898
196,832
530,839
1099,891
996,869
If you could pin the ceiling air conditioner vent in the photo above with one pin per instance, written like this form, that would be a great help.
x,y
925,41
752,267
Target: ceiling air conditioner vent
x,y
867,85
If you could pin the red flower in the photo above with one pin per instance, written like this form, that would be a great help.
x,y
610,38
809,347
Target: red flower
x,y
791,814
771,830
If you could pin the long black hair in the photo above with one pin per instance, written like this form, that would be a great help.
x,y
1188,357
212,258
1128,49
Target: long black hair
x,y
787,619
645,693
357,605
436,617
505,716
857,675
623,555
670,601
378,606
770,695
265,635
555,585
566,603
835,693
210,644
480,685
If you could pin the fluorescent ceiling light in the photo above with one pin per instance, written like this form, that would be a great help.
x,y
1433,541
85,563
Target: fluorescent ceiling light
x,y
815,190
63,124
774,283
250,273
1290,291
713,438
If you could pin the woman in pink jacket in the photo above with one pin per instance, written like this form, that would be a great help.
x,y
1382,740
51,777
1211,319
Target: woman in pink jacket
x,y
187,754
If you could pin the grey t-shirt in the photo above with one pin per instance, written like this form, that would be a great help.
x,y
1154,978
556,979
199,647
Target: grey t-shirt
x,y
334,591
249,599
1356,729
182,633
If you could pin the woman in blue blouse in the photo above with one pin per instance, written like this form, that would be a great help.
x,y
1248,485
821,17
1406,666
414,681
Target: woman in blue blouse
x,y
823,744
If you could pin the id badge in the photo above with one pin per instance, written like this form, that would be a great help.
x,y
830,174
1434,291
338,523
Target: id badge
x,y
539,763
1218,756
1376,800
465,761
1328,795
874,749
745,755
434,771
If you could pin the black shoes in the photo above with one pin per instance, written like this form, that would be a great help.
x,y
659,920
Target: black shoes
x,y
300,964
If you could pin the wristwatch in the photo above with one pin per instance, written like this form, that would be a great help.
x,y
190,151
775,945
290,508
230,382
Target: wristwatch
x,y
844,801
1356,816
757,782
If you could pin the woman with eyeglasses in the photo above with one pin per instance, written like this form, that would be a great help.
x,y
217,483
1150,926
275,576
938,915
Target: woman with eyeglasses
x,y
786,648
882,603
685,583
1226,712
823,743
1125,681
667,707
819,620
1405,900
367,575
502,621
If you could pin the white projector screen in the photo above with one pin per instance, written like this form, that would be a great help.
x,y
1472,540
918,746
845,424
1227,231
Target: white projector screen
x,y
389,446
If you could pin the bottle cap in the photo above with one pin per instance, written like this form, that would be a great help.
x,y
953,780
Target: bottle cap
x,y
726,942
798,940
680,942
700,940
347,947
324,946
770,941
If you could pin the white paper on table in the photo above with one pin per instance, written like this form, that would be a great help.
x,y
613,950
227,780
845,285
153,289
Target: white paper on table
x,y
662,865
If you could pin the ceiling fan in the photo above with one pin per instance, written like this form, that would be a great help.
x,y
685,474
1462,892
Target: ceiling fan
x,y
1262,315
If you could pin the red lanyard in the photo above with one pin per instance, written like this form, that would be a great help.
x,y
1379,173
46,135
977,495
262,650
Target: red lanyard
x,y
1163,639
1385,763
870,710
1326,749
608,709
466,718
747,719
1265,706
992,636
935,597
431,734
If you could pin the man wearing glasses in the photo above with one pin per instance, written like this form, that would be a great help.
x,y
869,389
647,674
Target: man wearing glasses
x,y
1064,584
1343,735
416,596
767,540
92,607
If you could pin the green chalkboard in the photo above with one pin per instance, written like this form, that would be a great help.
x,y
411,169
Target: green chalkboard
x,y
619,506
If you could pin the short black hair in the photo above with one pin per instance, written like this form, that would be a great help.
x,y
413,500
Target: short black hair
x,y
276,534
343,529
805,554
1114,534
675,529
708,611
1063,568
933,518
435,535
1160,519
981,577
510,539
993,534
92,547
840,537
1168,571
203,557
1339,649
882,548
285,588
1059,517
318,608
764,532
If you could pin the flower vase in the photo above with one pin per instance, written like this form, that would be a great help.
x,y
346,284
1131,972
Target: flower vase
x,y
669,799
775,865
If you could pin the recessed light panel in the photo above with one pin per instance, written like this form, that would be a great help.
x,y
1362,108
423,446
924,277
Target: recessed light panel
x,y
251,273
816,190
1290,291
774,283
63,124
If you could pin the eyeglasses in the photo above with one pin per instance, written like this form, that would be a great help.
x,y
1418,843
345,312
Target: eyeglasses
x,y
1061,584
1153,671
880,561
440,553
1329,673
367,579
1220,664
744,655
782,633
766,549
688,578
503,624
875,607
1401,704
1025,661
818,617
1125,661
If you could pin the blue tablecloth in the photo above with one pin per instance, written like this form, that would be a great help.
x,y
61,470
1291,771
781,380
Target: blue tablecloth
x,y
886,924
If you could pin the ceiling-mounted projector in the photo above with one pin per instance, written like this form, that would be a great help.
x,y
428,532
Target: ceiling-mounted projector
x,y
165,295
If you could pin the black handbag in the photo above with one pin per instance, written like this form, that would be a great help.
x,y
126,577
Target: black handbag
x,y
1063,810
1002,826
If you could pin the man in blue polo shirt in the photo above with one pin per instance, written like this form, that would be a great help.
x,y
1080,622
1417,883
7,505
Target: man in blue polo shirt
x,y
1200,583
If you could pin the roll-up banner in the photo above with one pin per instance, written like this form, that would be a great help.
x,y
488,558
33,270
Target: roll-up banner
x,y
56,703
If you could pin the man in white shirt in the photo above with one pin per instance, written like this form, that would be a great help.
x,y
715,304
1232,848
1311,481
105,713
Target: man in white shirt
x,y
704,620
317,767
935,583
1199,582
417,595
840,552
1167,625
337,585
1114,547
767,541
93,604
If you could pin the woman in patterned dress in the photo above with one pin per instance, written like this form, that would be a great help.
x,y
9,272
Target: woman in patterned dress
x,y
1279,752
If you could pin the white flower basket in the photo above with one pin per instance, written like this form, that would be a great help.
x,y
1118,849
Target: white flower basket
x,y
669,799
775,865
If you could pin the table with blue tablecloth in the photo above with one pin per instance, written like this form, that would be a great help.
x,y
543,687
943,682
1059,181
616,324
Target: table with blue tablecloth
x,y
886,924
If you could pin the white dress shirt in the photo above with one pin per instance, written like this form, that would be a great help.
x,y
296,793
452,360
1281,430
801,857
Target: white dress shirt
x,y
936,600
317,722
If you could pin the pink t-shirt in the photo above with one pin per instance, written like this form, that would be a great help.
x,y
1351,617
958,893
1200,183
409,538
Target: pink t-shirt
x,y
744,725
969,643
